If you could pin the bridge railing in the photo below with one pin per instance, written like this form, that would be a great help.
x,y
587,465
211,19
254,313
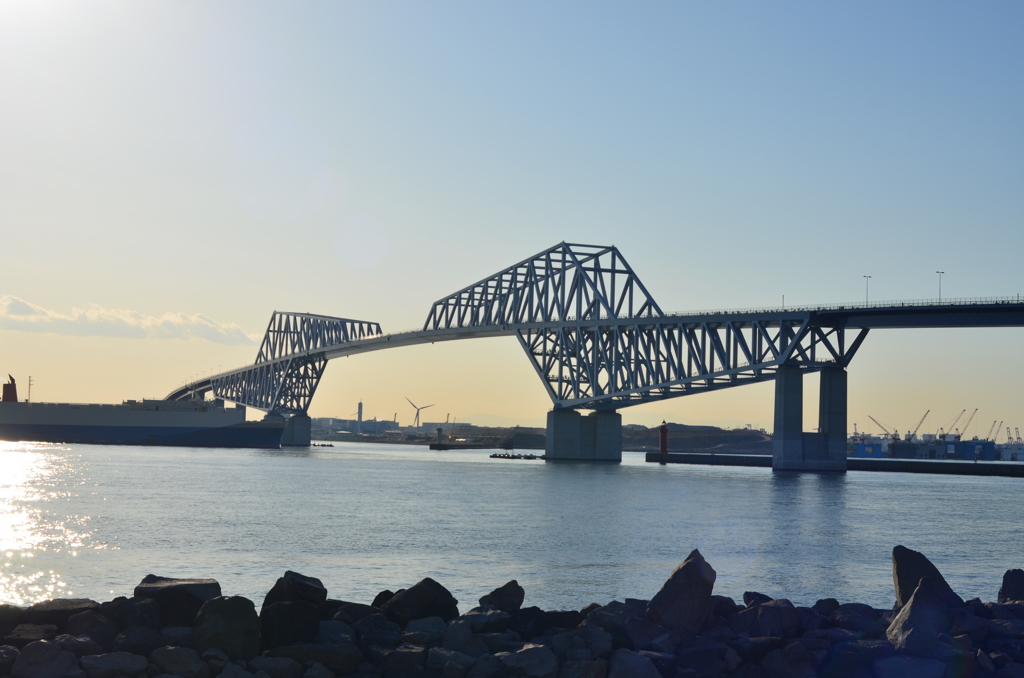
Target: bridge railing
x,y
855,305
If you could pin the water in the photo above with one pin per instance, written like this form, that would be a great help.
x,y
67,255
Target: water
x,y
91,521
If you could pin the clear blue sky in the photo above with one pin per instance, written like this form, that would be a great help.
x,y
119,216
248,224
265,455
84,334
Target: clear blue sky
x,y
220,161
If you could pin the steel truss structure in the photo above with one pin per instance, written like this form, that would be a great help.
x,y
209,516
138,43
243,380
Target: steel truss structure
x,y
594,335
289,364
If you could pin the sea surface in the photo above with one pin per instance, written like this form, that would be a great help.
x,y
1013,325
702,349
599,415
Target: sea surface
x,y
91,521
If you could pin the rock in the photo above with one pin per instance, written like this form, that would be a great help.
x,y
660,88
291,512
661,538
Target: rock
x,y
179,661
403,660
488,666
127,612
350,613
908,568
909,667
1011,670
8,654
93,625
294,586
77,645
115,664
793,661
341,658
776,618
333,632
229,624
318,670
276,666
702,659
426,598
752,598
583,669
532,661
233,670
57,611
179,599
509,597
10,616
423,631
1006,628
457,636
377,630
628,664
438,658
138,640
613,618
666,663
289,621
178,636
683,602
501,642
487,619
570,619
43,659
529,622
23,634
1013,586
583,643
723,606
644,634
915,630
826,606
755,649
382,597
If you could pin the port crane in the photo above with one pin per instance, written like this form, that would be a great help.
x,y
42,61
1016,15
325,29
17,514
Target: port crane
x,y
941,435
969,420
991,429
920,421
894,436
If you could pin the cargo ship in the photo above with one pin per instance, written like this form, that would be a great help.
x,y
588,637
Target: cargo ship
x,y
182,423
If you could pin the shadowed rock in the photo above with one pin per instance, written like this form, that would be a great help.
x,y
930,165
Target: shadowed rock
x,y
908,568
94,625
179,599
23,634
43,659
684,600
507,598
915,630
115,664
57,611
229,624
1013,586
127,612
295,586
426,598
289,621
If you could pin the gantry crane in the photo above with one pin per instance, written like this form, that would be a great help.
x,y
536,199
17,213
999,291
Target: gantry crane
x,y
969,420
945,432
921,421
893,435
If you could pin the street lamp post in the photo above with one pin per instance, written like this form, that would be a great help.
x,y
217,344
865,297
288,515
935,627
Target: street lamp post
x,y
940,284
867,282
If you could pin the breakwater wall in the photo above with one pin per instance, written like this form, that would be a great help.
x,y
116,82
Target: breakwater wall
x,y
963,468
187,628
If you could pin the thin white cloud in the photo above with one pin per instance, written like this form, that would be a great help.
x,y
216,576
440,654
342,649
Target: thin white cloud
x,y
94,321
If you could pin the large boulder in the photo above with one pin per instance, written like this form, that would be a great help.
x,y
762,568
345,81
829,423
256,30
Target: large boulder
x,y
775,618
127,612
93,625
179,599
507,598
8,654
289,621
138,640
908,568
915,630
43,659
57,611
532,661
628,664
438,658
644,634
229,624
77,645
613,618
424,631
179,661
10,616
377,630
23,634
342,658
488,666
332,632
529,622
584,643
426,598
793,661
684,600
295,586
909,667
350,613
403,660
1013,586
115,664
486,619
276,666
584,669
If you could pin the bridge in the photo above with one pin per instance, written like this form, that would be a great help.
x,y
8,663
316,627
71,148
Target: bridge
x,y
600,342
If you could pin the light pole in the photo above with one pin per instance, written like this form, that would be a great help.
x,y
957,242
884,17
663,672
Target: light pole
x,y
867,282
940,284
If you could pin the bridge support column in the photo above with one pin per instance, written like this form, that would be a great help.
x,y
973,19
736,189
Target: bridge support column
x,y
796,450
595,437
297,432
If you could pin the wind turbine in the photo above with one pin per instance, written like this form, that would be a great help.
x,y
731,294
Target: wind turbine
x,y
416,421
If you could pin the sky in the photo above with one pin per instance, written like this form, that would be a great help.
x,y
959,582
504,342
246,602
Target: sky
x,y
173,172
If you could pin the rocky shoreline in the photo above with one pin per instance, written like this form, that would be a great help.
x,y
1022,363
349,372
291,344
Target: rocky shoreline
x,y
187,628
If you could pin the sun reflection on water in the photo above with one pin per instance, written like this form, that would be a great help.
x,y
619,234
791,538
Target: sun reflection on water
x,y
32,478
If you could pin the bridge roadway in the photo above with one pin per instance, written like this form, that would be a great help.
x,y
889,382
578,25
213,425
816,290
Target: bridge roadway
x,y
823,450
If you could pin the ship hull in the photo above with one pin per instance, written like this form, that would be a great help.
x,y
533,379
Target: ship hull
x,y
148,423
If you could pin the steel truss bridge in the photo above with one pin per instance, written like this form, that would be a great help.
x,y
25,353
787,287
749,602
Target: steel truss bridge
x,y
594,334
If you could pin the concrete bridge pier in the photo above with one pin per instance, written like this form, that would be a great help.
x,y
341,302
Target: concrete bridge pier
x,y
297,432
595,437
797,450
